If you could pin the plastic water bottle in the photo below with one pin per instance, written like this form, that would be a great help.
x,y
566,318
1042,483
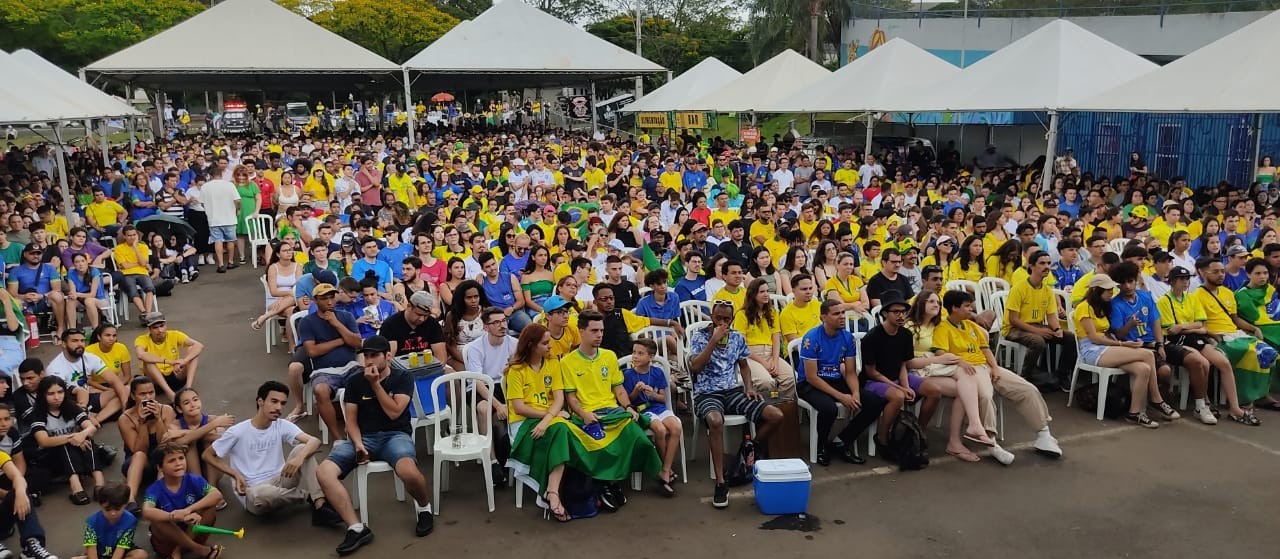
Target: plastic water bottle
x,y
457,436
748,451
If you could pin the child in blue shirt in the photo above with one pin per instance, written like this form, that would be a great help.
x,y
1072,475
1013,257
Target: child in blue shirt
x,y
108,533
646,386
177,501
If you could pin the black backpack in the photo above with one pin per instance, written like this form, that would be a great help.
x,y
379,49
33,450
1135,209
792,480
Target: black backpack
x,y
740,469
907,443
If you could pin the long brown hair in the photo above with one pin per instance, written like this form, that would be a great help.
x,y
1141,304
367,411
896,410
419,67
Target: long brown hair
x,y
915,316
753,309
530,337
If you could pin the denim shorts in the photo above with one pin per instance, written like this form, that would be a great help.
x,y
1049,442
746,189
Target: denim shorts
x,y
385,446
1090,352
222,233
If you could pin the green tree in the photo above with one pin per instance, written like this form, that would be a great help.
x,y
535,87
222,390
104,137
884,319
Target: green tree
x,y
394,29
572,11
464,9
811,27
686,33
75,33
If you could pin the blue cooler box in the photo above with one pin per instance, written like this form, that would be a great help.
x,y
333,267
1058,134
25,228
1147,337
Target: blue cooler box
x,y
782,486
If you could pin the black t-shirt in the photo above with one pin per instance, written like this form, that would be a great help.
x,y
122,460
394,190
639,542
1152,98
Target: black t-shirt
x,y
369,413
879,284
409,340
886,352
625,295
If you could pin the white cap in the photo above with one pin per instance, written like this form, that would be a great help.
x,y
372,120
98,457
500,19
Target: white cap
x,y
517,161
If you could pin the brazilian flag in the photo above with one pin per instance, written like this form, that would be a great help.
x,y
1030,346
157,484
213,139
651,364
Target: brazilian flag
x,y
623,449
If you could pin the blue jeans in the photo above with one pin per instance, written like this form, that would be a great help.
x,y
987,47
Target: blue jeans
x,y
518,321
385,446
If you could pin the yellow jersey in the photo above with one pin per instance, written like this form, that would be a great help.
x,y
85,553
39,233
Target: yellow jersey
x,y
536,388
1179,310
847,290
1218,309
1033,304
166,349
797,321
1101,324
592,379
973,274
738,297
965,340
114,359
567,341
757,333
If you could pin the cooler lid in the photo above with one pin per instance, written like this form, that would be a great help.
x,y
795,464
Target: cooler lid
x,y
788,469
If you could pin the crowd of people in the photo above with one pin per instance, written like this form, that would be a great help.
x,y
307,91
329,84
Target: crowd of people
x,y
839,278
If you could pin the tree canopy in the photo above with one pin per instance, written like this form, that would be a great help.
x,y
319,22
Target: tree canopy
x,y
74,33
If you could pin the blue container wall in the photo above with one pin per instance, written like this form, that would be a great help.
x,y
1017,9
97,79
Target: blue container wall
x,y
1203,148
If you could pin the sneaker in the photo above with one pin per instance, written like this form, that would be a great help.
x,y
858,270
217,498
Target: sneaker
x,y
1205,415
195,274
823,458
1165,411
222,269
1047,445
619,495
109,453
355,540
426,523
499,475
1140,419
721,498
33,549
608,501
325,516
186,277
1001,455
5,553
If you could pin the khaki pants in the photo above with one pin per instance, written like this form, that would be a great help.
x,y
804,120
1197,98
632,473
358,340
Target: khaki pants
x,y
281,492
784,384
1022,394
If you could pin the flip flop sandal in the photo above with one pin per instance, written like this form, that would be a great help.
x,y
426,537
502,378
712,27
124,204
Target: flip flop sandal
x,y
549,512
79,498
295,417
966,456
215,552
976,440
1247,419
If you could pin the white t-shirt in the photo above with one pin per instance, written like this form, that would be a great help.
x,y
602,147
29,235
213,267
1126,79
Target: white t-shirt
x,y
258,454
786,179
483,357
868,172
220,198
75,373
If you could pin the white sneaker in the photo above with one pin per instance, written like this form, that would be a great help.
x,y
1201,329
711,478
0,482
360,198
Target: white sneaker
x,y
1047,445
1001,455
1205,415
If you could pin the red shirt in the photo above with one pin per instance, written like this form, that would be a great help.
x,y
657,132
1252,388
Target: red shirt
x,y
267,188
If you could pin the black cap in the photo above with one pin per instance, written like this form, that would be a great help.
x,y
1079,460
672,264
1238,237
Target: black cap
x,y
574,244
375,344
1179,272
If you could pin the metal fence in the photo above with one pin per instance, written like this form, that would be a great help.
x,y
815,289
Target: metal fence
x,y
978,9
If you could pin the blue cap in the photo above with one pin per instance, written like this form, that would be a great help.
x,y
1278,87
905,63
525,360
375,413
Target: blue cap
x,y
554,303
325,276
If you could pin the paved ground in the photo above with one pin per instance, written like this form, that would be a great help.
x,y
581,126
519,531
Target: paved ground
x,y
1184,490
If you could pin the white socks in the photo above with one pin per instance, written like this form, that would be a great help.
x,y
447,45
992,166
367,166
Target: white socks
x,y
357,527
421,508
1199,405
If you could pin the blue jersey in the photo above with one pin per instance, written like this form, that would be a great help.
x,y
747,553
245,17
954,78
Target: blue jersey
x,y
36,279
394,257
107,537
692,289
192,489
379,268
656,378
829,351
1142,306
649,307
500,293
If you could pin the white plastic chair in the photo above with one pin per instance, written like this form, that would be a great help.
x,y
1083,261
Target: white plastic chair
x,y
1009,355
659,334
423,419
308,395
729,420
363,470
270,330
780,302
859,323
636,478
466,442
989,286
1117,245
694,311
1102,374
260,232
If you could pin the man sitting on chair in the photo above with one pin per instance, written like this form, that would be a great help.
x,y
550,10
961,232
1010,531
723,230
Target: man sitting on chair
x,y
828,376
37,285
1031,320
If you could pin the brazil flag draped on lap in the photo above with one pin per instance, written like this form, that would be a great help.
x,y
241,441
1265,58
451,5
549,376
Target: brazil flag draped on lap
x,y
624,449
1259,306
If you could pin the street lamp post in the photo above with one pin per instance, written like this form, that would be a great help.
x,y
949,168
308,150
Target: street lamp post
x,y
639,79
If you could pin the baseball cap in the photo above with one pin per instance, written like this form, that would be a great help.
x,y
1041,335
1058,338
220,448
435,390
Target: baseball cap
x,y
697,226
31,248
1237,249
324,276
1179,272
375,344
1102,280
945,239
617,244
422,300
574,244
517,161
323,289
152,318
1141,212
554,303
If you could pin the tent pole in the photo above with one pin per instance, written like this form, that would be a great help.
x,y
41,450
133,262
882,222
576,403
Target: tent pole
x,y
1257,145
102,137
1046,178
871,129
68,203
412,114
594,126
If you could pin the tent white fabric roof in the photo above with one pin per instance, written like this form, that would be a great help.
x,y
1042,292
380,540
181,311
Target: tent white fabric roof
x,y
64,83
513,44
775,79
28,98
1220,77
704,77
245,43
872,82
1049,69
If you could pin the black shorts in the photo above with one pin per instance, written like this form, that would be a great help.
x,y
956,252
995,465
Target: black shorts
x,y
300,356
1175,354
175,382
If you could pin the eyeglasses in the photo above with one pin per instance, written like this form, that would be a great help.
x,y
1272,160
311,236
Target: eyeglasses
x,y
895,311
496,322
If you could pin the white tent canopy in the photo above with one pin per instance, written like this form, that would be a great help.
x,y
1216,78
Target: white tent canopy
x,y
254,44
59,80
872,82
26,97
1049,69
775,79
513,44
1221,77
705,77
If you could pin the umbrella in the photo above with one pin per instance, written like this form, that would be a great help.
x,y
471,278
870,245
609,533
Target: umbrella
x,y
165,225
442,97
